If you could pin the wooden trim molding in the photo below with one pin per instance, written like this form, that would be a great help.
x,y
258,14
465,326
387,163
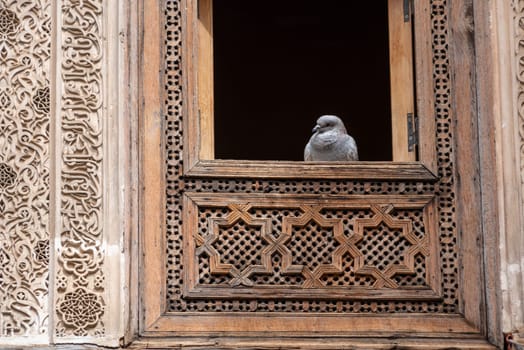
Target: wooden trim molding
x,y
151,238
315,325
316,342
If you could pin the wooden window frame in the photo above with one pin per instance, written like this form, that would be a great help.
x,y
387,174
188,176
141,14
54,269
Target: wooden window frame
x,y
199,136
469,327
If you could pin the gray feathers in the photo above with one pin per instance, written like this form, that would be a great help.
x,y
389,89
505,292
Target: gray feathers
x,y
330,141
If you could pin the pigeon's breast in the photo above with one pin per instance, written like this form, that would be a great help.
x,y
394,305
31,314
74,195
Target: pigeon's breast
x,y
325,140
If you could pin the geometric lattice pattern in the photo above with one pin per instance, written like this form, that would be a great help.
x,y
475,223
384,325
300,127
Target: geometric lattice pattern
x,y
238,248
302,249
388,247
369,247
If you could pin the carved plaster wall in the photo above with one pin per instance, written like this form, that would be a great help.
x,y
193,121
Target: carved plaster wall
x,y
79,278
90,161
510,112
25,55
62,164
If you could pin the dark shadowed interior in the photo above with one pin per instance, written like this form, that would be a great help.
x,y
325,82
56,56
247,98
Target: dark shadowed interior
x,y
280,64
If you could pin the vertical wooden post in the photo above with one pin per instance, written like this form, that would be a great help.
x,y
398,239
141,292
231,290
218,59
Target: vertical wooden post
x,y
205,79
401,75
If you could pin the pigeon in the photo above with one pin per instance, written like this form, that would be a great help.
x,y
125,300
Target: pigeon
x,y
330,141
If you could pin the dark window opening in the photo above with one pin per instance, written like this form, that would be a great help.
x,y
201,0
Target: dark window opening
x,y
279,65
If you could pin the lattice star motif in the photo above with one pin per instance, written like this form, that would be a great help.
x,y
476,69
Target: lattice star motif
x,y
80,309
7,176
384,277
207,244
9,22
41,251
41,100
345,244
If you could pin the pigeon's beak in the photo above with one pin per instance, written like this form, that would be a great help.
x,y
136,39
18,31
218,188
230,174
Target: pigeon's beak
x,y
315,129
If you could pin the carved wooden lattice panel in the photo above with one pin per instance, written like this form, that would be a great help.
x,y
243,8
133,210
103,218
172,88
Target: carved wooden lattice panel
x,y
298,245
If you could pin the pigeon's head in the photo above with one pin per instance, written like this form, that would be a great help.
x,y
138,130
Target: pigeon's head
x,y
329,123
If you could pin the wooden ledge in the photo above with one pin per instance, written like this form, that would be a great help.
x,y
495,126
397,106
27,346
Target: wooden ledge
x,y
374,343
415,171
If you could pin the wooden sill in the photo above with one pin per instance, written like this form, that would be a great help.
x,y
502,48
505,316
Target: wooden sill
x,y
415,171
